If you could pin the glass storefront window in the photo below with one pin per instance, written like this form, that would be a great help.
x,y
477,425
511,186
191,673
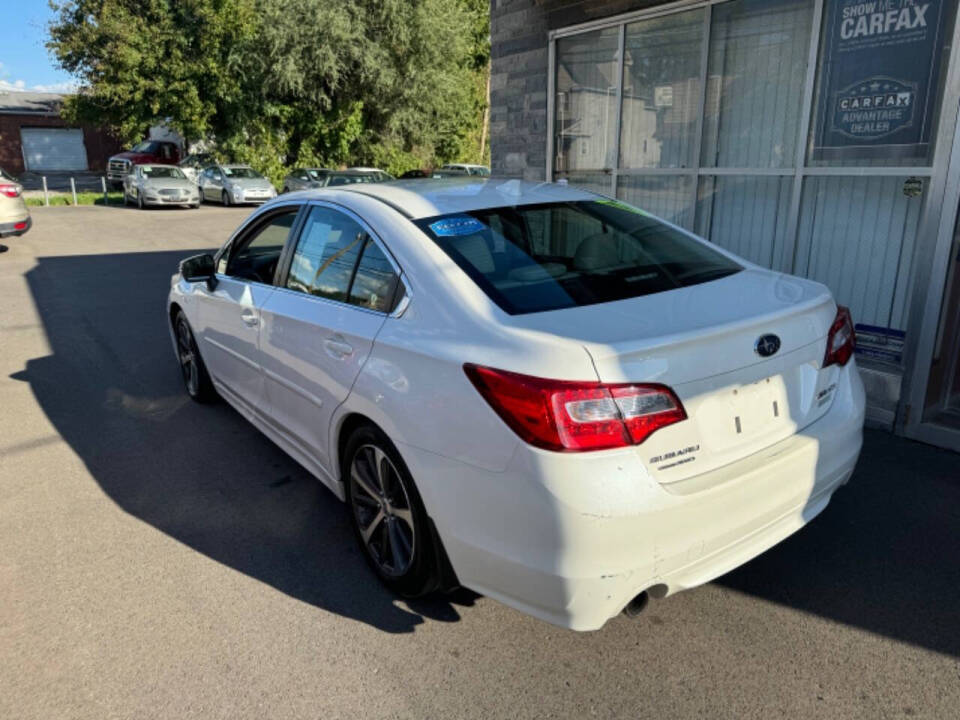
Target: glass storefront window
x,y
871,102
755,77
667,196
856,235
661,91
746,215
597,182
585,106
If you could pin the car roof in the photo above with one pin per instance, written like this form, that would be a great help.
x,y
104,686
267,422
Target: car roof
x,y
428,197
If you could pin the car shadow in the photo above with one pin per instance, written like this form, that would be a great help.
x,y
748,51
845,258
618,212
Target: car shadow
x,y
883,555
201,474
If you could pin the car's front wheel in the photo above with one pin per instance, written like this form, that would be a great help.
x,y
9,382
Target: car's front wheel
x,y
225,198
387,514
195,376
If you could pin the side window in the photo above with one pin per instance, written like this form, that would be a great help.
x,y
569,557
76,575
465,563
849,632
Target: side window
x,y
255,256
326,254
375,283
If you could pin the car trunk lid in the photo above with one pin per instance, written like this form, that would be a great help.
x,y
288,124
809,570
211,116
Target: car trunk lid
x,y
702,341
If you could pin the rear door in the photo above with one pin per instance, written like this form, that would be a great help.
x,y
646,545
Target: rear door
x,y
319,326
229,315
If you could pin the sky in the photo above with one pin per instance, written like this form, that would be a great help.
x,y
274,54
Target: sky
x,y
24,62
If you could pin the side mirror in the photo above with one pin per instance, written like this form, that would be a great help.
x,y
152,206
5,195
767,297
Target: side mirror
x,y
199,268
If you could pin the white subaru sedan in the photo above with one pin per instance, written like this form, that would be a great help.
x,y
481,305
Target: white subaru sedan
x,y
544,395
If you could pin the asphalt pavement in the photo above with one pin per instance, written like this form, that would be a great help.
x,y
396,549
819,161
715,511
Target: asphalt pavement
x,y
161,559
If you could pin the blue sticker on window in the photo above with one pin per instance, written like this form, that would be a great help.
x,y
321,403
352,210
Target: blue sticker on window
x,y
459,225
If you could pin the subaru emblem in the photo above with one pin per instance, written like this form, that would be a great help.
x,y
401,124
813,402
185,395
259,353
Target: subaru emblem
x,y
767,345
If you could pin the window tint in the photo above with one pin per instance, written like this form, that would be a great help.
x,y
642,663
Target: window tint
x,y
375,283
255,258
326,254
533,258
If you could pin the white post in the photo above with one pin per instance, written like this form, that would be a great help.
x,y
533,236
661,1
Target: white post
x,y
73,189
46,196
103,184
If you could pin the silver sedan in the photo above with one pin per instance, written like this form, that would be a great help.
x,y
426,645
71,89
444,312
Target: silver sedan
x,y
159,185
235,185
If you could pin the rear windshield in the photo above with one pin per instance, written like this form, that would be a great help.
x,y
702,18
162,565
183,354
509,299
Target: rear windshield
x,y
533,258
349,179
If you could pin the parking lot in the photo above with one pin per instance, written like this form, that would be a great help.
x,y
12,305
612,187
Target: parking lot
x,y
163,559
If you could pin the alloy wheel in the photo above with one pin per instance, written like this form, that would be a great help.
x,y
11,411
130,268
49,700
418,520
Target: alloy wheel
x,y
186,351
381,505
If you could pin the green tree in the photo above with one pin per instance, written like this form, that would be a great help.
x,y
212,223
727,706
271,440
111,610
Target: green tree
x,y
143,61
394,83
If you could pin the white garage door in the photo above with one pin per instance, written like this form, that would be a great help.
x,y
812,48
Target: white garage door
x,y
53,149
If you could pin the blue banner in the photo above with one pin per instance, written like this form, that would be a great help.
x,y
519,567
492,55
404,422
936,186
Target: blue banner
x,y
879,79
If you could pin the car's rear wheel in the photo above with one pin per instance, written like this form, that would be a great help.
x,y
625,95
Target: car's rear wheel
x,y
194,372
387,514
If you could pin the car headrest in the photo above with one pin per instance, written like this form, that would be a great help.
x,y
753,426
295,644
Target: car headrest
x,y
597,251
474,248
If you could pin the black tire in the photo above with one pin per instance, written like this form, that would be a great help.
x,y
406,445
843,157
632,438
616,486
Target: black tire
x,y
387,509
225,198
196,379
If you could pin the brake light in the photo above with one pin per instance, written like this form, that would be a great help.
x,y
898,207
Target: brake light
x,y
841,340
576,416
10,191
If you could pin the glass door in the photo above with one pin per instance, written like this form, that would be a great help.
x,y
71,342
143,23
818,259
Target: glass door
x,y
942,401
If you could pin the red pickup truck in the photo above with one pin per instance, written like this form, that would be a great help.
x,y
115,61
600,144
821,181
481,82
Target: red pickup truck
x,y
161,152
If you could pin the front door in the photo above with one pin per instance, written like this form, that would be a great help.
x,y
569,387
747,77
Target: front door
x,y
319,326
229,315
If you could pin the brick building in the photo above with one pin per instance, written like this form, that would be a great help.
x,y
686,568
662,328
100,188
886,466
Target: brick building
x,y
33,137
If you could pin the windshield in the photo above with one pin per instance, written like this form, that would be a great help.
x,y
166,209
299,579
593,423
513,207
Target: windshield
x,y
317,173
165,171
145,147
6,176
241,172
533,258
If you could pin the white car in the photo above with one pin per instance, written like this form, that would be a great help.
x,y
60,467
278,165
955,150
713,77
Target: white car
x,y
542,394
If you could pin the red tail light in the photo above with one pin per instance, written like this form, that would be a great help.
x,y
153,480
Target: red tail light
x,y
10,191
576,416
841,340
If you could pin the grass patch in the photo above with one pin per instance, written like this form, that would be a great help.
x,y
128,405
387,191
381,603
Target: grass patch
x,y
83,198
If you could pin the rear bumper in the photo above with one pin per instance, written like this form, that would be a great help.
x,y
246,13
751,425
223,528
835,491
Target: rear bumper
x,y
571,539
16,227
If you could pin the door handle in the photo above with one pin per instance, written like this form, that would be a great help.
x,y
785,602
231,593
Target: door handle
x,y
338,347
249,318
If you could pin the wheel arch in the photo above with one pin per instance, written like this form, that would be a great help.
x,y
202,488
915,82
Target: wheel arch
x,y
348,424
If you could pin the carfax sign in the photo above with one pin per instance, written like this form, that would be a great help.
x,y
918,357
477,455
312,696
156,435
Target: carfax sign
x,y
878,82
